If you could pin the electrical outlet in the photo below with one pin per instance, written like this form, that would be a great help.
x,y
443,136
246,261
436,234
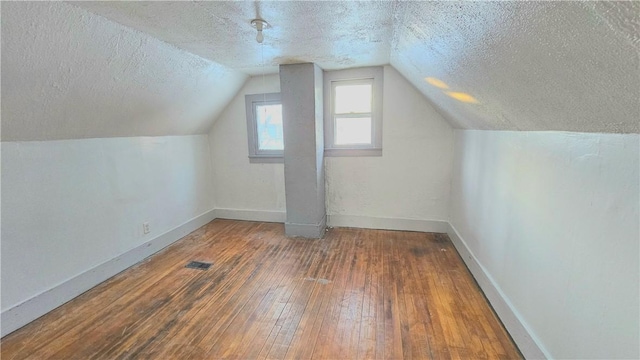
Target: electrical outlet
x,y
146,228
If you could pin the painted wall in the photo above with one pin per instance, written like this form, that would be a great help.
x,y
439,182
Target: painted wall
x,y
69,74
238,184
412,178
553,218
68,206
302,115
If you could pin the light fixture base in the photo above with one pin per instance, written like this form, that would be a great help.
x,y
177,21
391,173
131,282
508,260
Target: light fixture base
x,y
260,24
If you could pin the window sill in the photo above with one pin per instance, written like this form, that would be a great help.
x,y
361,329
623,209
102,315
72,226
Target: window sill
x,y
266,159
352,152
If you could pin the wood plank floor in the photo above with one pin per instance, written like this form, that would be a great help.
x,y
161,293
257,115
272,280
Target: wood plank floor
x,y
357,294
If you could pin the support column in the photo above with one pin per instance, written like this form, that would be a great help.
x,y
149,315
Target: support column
x,y
302,113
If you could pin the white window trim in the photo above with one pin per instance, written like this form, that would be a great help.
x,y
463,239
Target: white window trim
x,y
255,154
353,75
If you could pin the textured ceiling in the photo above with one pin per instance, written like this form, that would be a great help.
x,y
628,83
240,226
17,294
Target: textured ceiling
x,y
67,73
333,34
518,65
528,65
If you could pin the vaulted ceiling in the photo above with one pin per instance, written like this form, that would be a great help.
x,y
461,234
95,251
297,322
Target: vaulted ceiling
x,y
484,65
69,74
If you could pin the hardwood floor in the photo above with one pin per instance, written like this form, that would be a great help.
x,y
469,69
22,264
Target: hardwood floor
x,y
356,294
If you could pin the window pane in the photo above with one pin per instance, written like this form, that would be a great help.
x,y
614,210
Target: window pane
x,y
353,99
352,131
269,119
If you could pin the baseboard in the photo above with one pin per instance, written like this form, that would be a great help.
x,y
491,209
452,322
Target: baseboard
x,y
251,215
311,231
31,309
370,222
513,322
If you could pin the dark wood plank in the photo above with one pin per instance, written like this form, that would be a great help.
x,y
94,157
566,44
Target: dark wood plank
x,y
356,294
393,337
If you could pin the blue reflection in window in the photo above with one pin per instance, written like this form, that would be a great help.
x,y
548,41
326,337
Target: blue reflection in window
x,y
269,121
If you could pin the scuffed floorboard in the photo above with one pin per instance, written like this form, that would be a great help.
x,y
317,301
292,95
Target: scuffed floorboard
x,y
354,294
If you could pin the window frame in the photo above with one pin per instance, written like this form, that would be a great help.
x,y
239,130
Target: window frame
x,y
255,154
374,75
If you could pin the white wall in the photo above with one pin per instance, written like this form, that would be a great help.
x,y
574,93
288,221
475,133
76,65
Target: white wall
x,y
70,205
238,184
410,181
553,219
412,178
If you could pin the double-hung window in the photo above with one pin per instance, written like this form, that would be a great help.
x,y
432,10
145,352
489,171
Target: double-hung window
x,y
264,128
353,112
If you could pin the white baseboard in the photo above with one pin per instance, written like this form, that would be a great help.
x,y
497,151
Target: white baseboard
x,y
370,222
31,309
513,322
310,231
252,215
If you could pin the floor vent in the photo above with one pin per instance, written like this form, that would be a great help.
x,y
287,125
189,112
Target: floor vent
x,y
198,265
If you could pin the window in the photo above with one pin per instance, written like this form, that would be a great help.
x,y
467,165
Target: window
x,y
353,112
264,128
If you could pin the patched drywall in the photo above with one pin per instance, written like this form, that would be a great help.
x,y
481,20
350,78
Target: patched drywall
x,y
553,217
411,180
526,65
69,206
237,183
334,35
67,74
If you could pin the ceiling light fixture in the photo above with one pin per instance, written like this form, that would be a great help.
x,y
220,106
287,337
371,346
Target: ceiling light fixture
x,y
259,24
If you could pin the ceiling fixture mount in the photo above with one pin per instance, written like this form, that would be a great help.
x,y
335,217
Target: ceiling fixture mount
x,y
260,25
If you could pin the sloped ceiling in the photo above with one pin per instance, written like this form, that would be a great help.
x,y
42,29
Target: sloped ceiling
x,y
512,65
68,74
529,65
519,65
